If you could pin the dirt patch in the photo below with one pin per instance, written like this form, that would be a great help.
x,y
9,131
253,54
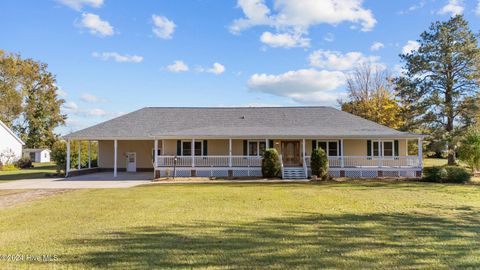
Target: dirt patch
x,y
15,197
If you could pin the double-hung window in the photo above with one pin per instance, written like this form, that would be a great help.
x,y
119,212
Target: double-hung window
x,y
331,148
383,148
256,148
187,148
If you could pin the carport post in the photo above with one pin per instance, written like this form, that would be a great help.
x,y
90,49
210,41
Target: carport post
x,y
193,152
67,166
79,154
115,158
230,152
89,154
156,154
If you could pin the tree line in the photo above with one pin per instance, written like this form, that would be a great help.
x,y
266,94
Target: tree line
x,y
436,94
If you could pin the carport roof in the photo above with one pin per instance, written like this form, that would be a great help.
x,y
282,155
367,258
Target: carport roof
x,y
237,122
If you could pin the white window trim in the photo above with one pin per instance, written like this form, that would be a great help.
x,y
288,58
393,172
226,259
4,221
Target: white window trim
x,y
201,147
382,148
328,147
258,147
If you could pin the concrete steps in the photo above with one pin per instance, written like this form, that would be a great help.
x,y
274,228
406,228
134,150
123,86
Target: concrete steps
x,y
294,173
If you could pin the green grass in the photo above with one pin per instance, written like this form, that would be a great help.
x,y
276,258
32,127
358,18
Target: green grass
x,y
38,171
433,162
352,225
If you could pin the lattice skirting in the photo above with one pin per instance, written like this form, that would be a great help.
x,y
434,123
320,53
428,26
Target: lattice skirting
x,y
246,172
212,172
372,173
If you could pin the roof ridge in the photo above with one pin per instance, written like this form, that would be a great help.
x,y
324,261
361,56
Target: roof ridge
x,y
235,107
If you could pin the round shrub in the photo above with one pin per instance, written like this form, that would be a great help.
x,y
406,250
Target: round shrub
x,y
434,174
270,163
24,163
319,163
456,175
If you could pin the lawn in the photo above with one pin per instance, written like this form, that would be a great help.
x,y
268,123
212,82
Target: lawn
x,y
38,171
358,224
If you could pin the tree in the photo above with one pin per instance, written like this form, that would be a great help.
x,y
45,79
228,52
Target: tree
x,y
370,96
28,100
59,154
469,150
270,163
10,97
319,163
441,80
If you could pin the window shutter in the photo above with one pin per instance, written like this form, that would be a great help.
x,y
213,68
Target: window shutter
x,y
314,145
395,147
369,148
339,148
205,148
270,144
179,148
245,147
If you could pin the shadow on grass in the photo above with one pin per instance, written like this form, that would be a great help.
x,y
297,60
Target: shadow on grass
x,y
32,173
303,240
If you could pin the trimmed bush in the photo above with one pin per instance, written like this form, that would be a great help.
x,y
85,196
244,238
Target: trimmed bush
x,y
270,163
449,174
319,163
24,163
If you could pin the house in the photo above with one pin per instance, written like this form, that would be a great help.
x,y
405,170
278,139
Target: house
x,y
10,145
229,142
37,155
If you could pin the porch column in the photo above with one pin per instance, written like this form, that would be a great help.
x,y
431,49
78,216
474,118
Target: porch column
x,y
79,155
156,154
89,154
406,147
303,149
115,145
420,151
342,160
163,147
67,167
193,152
380,153
266,143
230,152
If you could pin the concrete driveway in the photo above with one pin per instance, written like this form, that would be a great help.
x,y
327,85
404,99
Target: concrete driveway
x,y
94,180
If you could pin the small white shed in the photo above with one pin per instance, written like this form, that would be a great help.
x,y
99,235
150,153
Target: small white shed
x,y
37,155
10,145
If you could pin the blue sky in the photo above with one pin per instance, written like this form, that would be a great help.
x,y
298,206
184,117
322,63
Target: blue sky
x,y
113,57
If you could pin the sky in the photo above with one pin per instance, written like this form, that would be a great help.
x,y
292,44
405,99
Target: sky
x,y
113,57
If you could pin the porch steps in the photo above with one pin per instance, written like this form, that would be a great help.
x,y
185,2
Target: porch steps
x,y
293,173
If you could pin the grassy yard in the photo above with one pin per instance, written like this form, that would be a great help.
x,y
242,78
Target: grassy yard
x,y
38,171
359,224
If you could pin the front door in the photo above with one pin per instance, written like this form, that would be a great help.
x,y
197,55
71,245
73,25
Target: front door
x,y
131,162
291,153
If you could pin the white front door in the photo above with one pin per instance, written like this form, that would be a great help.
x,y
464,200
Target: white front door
x,y
131,162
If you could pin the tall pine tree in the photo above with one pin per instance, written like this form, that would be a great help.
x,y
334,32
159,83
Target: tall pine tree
x,y
441,79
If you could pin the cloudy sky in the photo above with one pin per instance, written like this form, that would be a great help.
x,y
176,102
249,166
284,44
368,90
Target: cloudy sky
x,y
113,57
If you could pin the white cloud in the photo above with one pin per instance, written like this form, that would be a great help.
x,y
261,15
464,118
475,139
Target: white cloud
x,y
284,40
70,105
121,58
216,69
298,16
95,112
88,98
411,45
376,46
304,85
163,27
453,7
477,9
329,37
333,60
96,25
178,66
78,4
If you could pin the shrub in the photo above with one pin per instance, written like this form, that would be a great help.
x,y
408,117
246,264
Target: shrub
x,y
469,150
319,163
24,163
59,155
9,167
449,174
270,163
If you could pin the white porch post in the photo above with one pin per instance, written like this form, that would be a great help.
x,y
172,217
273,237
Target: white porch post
x,y
67,167
380,153
89,154
156,153
193,152
266,144
115,145
406,147
163,147
230,152
79,155
342,159
420,151
303,149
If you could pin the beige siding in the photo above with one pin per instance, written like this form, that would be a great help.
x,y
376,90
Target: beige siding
x,y
142,148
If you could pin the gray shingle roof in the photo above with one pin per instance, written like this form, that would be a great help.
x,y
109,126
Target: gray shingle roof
x,y
246,122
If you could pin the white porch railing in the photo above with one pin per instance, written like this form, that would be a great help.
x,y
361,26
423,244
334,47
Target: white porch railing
x,y
365,161
209,161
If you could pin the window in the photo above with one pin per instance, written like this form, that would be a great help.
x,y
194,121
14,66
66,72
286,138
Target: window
x,y
376,149
256,148
187,148
388,149
331,148
383,148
